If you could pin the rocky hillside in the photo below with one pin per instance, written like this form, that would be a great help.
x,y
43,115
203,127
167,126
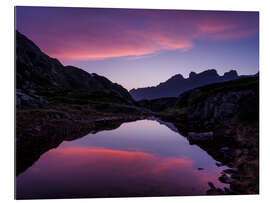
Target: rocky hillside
x,y
205,106
39,78
177,84
158,105
223,119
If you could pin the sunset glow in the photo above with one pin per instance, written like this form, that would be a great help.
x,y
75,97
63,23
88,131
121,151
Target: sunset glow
x,y
101,40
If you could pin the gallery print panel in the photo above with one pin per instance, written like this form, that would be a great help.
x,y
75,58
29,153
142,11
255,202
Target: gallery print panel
x,y
136,102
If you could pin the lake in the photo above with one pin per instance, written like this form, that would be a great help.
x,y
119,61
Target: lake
x,y
140,158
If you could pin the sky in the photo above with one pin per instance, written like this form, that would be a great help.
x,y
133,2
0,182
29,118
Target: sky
x,y
140,47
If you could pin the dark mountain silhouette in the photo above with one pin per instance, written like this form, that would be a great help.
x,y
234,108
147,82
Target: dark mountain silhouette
x,y
177,84
36,72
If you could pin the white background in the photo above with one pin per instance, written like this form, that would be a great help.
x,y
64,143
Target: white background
x,y
7,88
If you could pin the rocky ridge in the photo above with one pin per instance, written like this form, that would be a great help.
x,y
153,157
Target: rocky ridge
x,y
177,84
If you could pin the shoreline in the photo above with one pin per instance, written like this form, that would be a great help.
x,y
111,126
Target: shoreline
x,y
41,134
229,146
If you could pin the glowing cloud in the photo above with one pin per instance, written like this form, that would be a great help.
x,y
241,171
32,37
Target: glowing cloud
x,y
92,34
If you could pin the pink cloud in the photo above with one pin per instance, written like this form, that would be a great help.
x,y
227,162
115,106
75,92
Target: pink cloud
x,y
215,27
219,30
129,43
135,34
234,34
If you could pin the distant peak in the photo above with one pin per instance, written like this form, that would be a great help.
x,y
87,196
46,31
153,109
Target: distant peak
x,y
211,71
231,73
177,76
192,74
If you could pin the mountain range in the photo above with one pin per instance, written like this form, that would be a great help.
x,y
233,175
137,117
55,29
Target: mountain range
x,y
177,84
40,77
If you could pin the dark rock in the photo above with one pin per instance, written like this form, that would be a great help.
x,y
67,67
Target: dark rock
x,y
157,105
24,99
211,185
230,171
227,154
224,149
219,164
200,137
229,192
236,176
245,151
213,190
225,179
237,186
38,128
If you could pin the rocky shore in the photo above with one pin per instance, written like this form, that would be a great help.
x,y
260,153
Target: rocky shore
x,y
224,121
235,145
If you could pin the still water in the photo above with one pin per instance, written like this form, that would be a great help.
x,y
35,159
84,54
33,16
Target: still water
x,y
141,158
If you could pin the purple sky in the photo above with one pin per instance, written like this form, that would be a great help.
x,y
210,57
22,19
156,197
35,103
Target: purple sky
x,y
138,48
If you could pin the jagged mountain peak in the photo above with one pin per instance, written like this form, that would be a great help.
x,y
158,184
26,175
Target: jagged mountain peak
x,y
206,73
192,74
231,73
177,84
177,77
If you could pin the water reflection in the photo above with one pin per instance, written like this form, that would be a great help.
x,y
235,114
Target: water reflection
x,y
141,158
